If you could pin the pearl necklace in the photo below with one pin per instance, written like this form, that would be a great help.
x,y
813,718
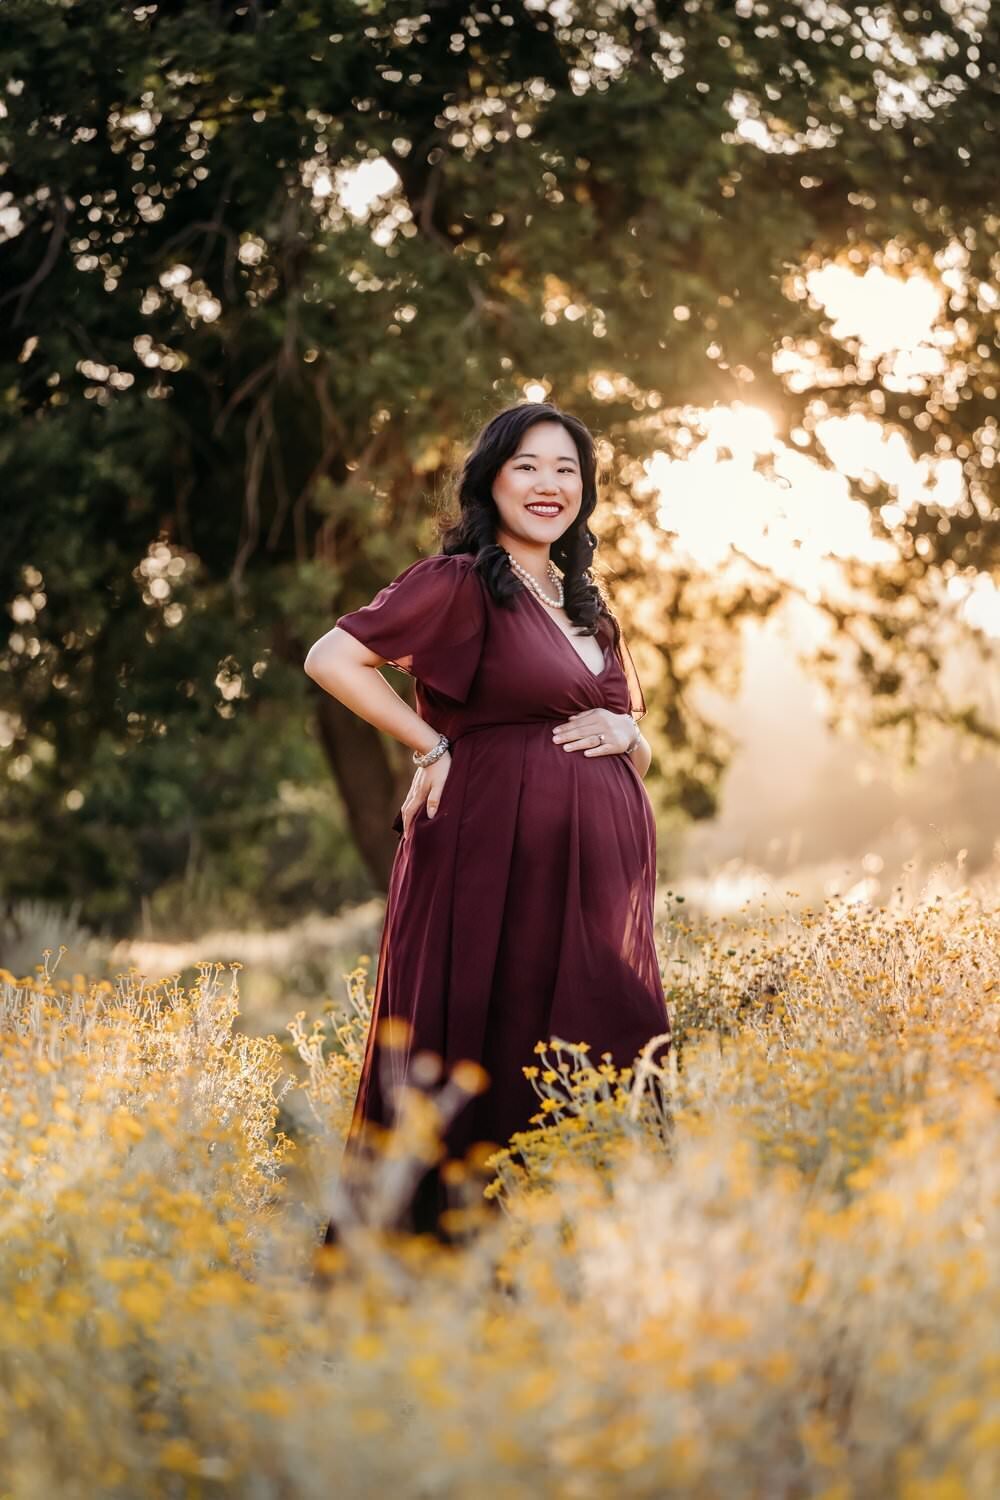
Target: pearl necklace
x,y
535,586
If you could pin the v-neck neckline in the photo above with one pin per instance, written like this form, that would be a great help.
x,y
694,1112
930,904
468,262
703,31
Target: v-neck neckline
x,y
552,624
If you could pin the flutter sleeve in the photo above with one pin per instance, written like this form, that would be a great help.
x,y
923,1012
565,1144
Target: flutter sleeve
x,y
636,700
429,621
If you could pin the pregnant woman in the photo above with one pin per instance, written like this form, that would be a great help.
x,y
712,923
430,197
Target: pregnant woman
x,y
520,903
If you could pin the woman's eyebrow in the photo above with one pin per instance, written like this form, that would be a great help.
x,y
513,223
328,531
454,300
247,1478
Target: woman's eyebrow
x,y
563,458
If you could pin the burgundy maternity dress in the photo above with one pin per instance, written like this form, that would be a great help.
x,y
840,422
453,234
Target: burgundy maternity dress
x,y
523,909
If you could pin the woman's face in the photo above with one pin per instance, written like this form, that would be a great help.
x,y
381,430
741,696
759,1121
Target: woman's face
x,y
539,489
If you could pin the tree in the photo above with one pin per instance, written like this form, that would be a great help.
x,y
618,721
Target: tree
x,y
206,351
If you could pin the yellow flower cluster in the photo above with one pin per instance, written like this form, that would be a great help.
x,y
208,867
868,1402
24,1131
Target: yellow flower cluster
x,y
764,1265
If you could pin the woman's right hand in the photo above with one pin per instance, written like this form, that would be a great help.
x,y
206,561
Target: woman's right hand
x,y
425,788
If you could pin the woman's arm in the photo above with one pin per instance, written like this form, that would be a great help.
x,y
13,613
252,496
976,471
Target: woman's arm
x,y
348,671
642,755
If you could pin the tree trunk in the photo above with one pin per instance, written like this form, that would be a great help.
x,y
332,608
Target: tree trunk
x,y
370,783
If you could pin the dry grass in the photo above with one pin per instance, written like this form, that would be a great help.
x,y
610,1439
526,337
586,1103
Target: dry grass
x,y
771,1270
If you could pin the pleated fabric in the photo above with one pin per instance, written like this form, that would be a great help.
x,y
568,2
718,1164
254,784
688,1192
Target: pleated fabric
x,y
524,908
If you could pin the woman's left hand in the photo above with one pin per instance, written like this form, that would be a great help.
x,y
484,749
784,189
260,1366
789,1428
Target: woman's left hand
x,y
581,732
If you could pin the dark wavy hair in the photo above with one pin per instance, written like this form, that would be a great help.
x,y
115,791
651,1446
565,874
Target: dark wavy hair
x,y
475,528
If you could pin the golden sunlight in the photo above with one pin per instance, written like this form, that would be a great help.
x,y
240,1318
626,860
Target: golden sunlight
x,y
717,505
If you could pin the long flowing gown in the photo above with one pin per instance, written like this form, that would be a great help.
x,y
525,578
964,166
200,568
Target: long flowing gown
x,y
523,909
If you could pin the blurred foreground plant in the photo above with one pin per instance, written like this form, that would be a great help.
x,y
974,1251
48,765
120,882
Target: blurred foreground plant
x,y
771,1269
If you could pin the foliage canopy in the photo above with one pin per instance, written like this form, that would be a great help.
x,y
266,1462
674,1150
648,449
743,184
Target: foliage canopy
x,y
264,268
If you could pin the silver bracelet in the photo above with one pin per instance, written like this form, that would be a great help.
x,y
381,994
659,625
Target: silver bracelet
x,y
434,754
634,741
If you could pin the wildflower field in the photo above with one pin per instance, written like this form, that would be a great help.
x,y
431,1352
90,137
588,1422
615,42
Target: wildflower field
x,y
770,1270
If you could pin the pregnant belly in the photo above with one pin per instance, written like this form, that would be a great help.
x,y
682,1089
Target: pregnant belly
x,y
556,803
563,797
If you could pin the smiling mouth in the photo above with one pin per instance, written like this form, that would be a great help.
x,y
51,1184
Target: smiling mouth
x,y
544,509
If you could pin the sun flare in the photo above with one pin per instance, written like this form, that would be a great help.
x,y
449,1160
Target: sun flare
x,y
715,504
